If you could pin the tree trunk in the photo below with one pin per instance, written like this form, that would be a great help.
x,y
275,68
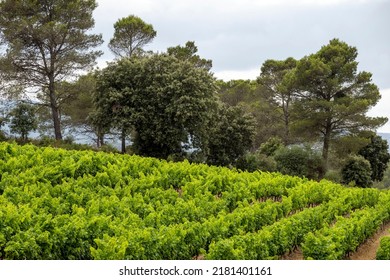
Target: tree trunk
x,y
123,138
100,140
54,110
56,122
325,148
286,128
286,116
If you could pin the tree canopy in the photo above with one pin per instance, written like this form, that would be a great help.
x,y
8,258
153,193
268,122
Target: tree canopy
x,y
165,102
277,77
188,53
130,36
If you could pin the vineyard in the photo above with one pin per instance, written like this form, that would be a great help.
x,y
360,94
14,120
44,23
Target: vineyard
x,y
58,204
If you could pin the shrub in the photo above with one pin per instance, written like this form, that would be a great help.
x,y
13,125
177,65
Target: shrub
x,y
357,171
299,161
256,161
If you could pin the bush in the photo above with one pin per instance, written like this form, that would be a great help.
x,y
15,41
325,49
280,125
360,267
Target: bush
x,y
256,161
299,161
357,171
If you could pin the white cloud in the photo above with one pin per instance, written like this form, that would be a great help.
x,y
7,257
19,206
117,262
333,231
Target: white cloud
x,y
237,74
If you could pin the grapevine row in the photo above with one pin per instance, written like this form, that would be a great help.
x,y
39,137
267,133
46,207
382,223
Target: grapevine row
x,y
283,236
347,233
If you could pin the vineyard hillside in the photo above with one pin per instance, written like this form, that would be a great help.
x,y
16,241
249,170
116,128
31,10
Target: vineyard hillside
x,y
59,204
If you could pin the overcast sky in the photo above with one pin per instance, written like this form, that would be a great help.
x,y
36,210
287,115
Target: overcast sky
x,y
239,35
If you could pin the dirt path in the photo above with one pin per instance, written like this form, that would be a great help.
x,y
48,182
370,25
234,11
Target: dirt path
x,y
366,251
294,255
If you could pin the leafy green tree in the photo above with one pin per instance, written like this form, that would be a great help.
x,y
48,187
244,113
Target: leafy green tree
x,y
130,36
188,53
277,77
377,153
47,42
166,103
357,171
231,135
334,97
23,120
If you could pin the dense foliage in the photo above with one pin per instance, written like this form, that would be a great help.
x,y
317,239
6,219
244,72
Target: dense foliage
x,y
231,134
57,204
166,103
358,172
299,161
130,36
377,153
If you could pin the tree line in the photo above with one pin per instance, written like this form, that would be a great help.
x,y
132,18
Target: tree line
x,y
304,117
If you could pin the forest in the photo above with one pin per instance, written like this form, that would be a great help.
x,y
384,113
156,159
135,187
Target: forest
x,y
303,117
